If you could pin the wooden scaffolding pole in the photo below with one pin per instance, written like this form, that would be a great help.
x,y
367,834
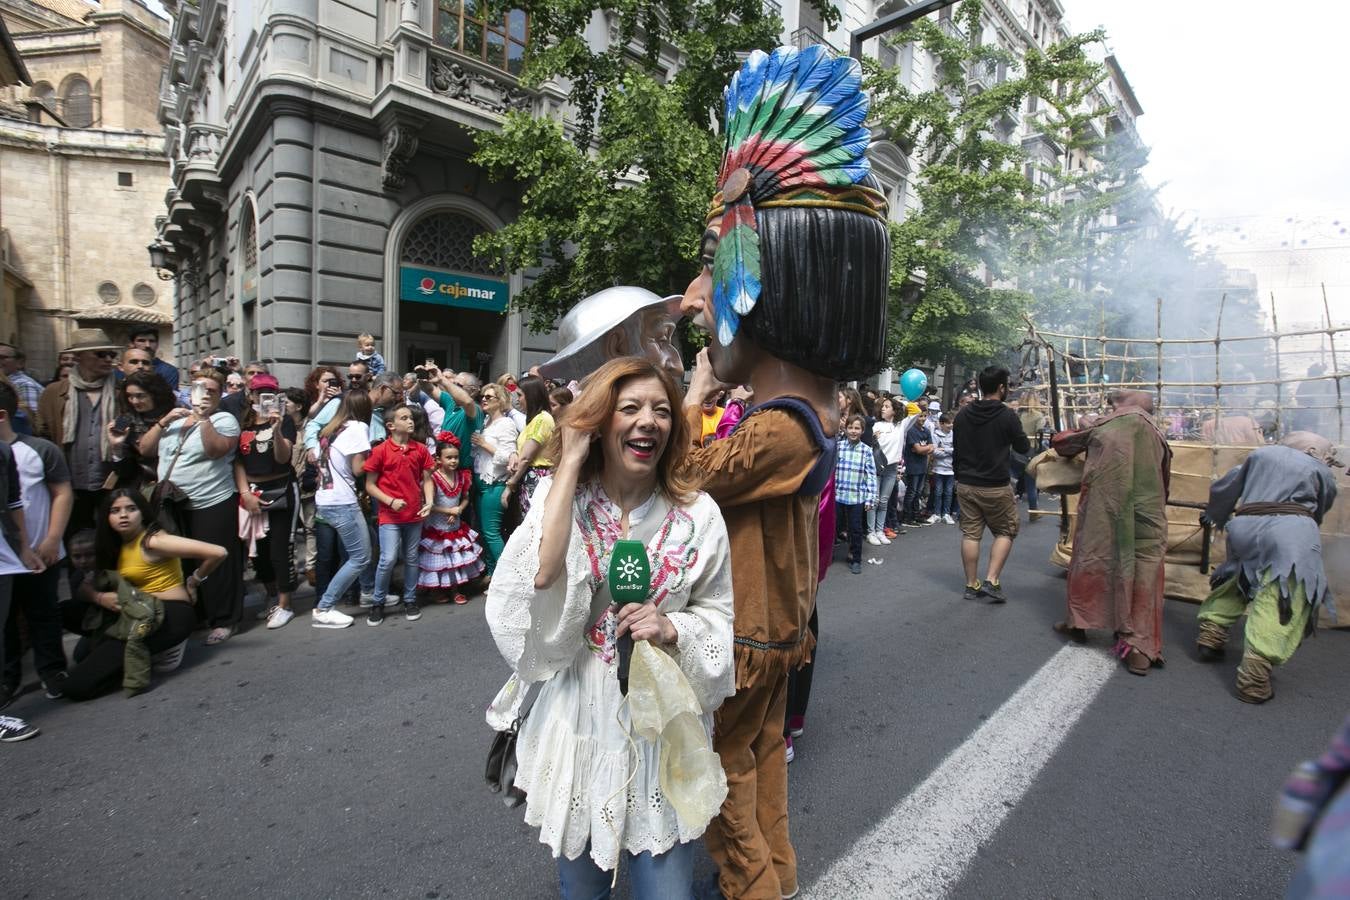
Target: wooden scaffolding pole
x,y
1279,368
1335,369
1158,400
1218,373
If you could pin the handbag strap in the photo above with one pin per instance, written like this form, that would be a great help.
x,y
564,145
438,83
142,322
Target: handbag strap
x,y
168,473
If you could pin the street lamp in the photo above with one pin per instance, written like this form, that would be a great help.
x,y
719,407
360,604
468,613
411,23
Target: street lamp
x,y
894,22
162,260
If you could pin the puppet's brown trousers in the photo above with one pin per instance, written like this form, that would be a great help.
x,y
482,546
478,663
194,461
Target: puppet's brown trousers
x,y
749,840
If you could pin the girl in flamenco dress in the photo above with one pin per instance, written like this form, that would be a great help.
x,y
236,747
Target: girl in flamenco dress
x,y
450,556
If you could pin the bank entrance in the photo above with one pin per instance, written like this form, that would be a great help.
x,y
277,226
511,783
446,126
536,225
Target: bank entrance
x,y
451,304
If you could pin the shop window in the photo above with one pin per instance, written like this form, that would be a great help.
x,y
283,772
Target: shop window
x,y
464,26
77,105
445,241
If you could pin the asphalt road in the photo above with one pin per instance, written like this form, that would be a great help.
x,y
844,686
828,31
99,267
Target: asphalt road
x,y
319,763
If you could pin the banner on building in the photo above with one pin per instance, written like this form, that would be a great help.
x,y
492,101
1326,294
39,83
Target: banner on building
x,y
453,289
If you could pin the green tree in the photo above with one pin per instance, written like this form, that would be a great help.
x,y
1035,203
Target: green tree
x,y
620,200
952,260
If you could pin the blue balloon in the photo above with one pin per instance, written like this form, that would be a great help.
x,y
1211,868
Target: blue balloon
x,y
913,383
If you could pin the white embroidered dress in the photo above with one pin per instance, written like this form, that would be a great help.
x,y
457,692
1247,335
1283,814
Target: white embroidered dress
x,y
573,752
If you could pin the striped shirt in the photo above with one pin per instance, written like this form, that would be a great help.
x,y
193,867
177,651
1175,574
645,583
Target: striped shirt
x,y
28,390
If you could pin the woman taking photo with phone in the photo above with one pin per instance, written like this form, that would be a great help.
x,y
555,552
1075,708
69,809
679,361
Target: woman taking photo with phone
x,y
592,785
265,480
196,449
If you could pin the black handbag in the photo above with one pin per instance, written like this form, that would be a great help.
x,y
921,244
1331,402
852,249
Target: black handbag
x,y
277,497
501,760
169,502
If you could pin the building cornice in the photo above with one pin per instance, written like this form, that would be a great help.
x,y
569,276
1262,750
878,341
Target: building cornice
x,y
96,142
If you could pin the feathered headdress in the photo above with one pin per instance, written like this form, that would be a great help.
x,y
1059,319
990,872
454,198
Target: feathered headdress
x,y
794,137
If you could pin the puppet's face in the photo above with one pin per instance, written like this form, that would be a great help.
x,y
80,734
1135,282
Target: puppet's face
x,y
731,364
658,342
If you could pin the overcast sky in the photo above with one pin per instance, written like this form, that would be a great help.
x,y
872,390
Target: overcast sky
x,y
1242,100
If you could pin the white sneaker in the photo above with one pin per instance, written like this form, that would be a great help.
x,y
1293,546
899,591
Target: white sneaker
x,y
279,617
168,660
934,519
872,539
948,519
330,618
265,614
881,537
367,601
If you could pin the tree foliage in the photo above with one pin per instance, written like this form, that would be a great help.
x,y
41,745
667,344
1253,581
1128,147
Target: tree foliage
x,y
619,195
953,293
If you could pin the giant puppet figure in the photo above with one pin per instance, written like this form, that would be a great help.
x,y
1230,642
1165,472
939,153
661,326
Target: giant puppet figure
x,y
1117,573
618,321
1272,506
793,289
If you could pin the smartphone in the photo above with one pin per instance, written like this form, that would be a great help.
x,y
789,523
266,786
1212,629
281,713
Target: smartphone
x,y
429,363
267,404
199,394
121,424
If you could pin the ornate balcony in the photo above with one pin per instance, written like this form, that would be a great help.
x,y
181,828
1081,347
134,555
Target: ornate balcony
x,y
194,171
461,78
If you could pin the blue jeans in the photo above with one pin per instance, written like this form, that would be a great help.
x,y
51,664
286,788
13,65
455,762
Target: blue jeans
x,y
878,516
913,494
351,528
396,541
943,488
669,876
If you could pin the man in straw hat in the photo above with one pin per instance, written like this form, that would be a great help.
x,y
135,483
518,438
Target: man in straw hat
x,y
796,258
618,321
75,413
1272,506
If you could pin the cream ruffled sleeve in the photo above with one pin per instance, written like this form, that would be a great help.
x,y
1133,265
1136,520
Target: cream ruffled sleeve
x,y
539,632
703,649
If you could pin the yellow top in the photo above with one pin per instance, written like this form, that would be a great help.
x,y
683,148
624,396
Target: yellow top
x,y
539,429
153,578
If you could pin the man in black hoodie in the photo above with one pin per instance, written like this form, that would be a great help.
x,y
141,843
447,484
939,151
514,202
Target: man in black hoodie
x,y
985,431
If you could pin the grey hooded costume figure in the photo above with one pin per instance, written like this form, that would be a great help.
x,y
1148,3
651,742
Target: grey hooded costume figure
x,y
1271,506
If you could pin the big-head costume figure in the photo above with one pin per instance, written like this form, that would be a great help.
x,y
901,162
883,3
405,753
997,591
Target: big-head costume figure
x,y
793,289
618,321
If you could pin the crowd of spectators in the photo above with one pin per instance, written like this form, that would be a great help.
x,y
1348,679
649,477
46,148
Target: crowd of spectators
x,y
140,509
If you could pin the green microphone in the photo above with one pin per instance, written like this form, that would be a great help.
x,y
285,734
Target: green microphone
x,y
630,581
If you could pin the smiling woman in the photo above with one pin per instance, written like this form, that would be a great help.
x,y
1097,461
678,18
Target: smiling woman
x,y
597,790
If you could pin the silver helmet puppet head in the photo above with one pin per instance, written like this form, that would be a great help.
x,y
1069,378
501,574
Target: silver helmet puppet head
x,y
618,321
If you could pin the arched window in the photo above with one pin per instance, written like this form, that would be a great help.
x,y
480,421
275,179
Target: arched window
x,y
444,240
77,104
892,169
248,255
463,26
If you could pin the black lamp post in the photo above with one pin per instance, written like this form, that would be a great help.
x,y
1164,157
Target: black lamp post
x,y
162,260
894,22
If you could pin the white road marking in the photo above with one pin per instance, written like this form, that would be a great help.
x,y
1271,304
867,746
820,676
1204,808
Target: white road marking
x,y
923,847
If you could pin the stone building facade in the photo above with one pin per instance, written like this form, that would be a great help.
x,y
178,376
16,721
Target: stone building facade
x,y
82,172
322,188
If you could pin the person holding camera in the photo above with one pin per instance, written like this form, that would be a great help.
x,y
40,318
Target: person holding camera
x,y
266,482
196,450
143,398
